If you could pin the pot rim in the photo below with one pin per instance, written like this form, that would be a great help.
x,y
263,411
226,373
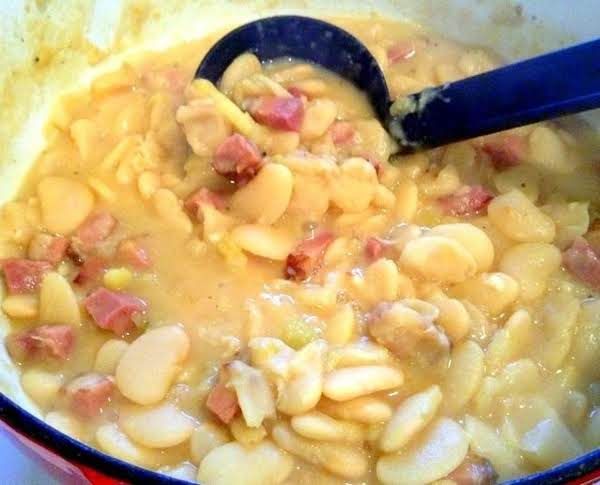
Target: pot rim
x,y
71,449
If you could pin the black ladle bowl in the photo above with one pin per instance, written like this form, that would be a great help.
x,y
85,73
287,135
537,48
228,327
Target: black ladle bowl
x,y
559,83
307,39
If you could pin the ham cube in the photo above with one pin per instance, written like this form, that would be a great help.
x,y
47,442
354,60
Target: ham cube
x,y
95,229
466,201
91,270
306,259
474,471
204,196
89,393
237,158
24,275
583,263
343,133
401,51
506,151
45,341
278,112
132,253
113,311
223,403
374,249
45,247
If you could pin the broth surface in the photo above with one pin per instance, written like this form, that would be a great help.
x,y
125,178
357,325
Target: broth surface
x,y
246,285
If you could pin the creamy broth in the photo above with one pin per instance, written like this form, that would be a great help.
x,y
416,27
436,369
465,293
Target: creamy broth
x,y
171,259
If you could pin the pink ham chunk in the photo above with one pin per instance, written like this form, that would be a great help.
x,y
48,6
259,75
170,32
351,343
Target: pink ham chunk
x,y
342,133
204,196
583,262
280,113
89,393
133,254
237,158
91,270
223,403
374,249
466,201
401,51
113,311
45,341
506,151
474,471
95,229
24,275
45,247
306,259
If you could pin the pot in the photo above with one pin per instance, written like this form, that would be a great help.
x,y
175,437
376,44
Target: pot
x,y
56,46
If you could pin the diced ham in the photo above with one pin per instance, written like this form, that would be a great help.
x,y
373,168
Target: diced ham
x,y
45,341
113,311
91,270
24,275
374,249
132,253
474,471
89,393
583,262
342,133
280,113
296,92
237,158
202,197
468,200
401,51
307,257
45,247
223,403
95,229
506,151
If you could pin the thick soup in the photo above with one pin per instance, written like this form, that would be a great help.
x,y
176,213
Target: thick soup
x,y
242,284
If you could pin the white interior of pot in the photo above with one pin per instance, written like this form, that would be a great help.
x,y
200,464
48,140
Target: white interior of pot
x,y
114,29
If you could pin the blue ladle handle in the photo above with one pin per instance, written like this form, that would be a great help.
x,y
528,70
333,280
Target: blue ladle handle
x,y
555,84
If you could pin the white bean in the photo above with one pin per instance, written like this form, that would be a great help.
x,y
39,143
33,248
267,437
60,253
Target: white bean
x,y
472,239
149,365
242,67
206,437
351,382
65,203
156,427
302,390
519,219
434,456
463,376
233,463
21,306
320,113
41,386
409,419
509,342
320,427
264,241
366,409
355,187
58,303
113,441
438,258
491,292
346,461
109,355
266,197
531,264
